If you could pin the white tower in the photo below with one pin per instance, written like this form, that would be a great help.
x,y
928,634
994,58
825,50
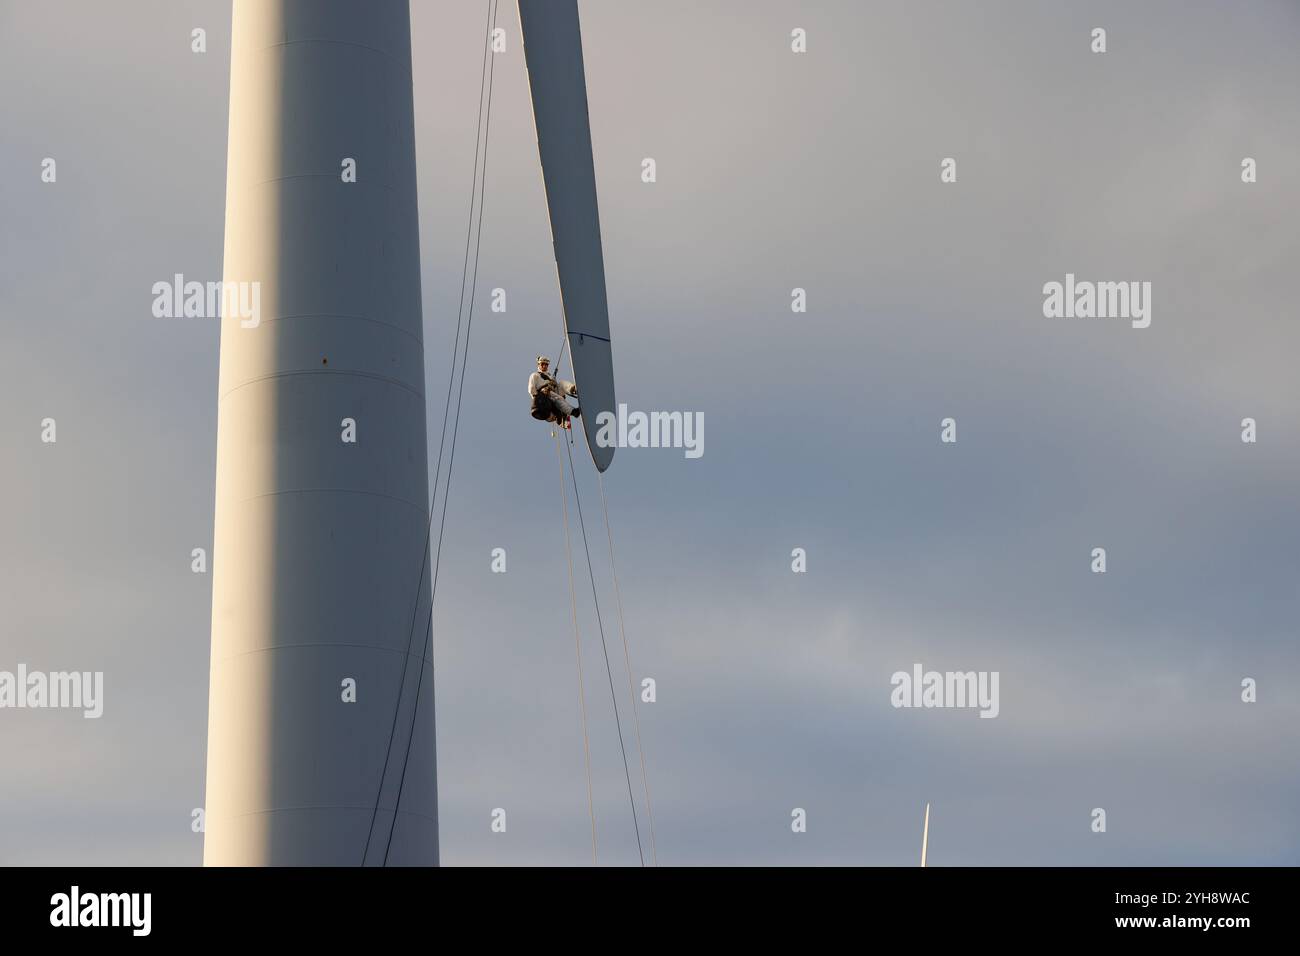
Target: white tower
x,y
319,541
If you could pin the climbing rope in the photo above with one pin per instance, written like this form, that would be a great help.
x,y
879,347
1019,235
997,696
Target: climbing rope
x,y
451,461
609,673
622,629
560,361
476,193
627,660
577,644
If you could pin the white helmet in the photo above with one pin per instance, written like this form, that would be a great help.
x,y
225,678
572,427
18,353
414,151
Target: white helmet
x,y
543,358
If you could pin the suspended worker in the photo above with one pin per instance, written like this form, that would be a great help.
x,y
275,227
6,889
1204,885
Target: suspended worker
x,y
547,393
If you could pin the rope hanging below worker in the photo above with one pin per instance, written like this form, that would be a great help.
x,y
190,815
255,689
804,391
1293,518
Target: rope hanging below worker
x,y
627,661
577,643
613,698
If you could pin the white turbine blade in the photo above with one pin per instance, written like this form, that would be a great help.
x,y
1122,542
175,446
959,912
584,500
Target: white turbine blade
x,y
553,54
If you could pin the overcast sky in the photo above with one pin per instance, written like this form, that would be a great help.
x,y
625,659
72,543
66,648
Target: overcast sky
x,y
775,170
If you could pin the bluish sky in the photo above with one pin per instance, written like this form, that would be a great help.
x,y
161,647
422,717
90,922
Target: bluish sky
x,y
775,171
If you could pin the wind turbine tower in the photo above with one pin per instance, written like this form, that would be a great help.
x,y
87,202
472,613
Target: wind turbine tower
x,y
322,477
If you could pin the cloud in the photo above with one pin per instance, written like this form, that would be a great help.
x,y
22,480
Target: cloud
x,y
1118,690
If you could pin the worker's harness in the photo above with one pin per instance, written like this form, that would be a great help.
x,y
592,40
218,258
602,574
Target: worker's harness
x,y
543,407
